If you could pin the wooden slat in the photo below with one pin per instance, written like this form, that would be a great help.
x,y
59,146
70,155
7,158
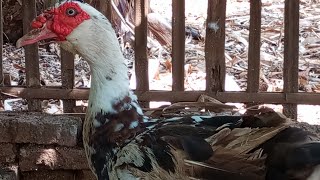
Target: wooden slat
x,y
1,53
67,77
243,97
141,58
49,3
1,45
105,8
291,53
31,54
6,79
215,46
254,46
178,44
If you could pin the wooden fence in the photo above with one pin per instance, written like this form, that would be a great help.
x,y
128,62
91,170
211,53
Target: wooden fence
x,y
214,56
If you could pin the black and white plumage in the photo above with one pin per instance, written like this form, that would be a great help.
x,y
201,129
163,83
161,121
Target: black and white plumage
x,y
121,143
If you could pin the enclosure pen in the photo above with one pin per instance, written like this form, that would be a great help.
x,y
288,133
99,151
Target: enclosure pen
x,y
198,136
215,62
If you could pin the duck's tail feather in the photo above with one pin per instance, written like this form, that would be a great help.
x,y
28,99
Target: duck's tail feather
x,y
222,167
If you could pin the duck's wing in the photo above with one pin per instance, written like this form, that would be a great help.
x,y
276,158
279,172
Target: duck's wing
x,y
227,165
278,153
164,145
203,146
240,151
236,154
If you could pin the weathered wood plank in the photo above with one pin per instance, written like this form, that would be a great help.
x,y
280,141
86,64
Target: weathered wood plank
x,y
215,46
254,46
1,53
236,97
291,53
105,8
1,45
178,44
31,54
141,57
6,79
49,3
67,77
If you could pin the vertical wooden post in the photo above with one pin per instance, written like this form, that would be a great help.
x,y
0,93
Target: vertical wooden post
x,y
291,53
215,45
141,57
1,44
31,54
105,8
1,52
50,3
178,44
67,77
254,46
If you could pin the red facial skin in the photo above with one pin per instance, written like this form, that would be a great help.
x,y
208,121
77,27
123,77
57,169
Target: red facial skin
x,y
60,22
55,23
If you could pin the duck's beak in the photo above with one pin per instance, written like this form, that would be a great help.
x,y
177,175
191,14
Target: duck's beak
x,y
36,35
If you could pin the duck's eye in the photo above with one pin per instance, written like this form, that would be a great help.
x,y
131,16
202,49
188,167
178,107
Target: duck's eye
x,y
71,12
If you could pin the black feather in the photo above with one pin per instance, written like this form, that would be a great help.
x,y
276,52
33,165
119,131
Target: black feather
x,y
217,121
303,155
288,161
99,160
186,130
290,154
161,151
289,135
102,157
197,148
275,174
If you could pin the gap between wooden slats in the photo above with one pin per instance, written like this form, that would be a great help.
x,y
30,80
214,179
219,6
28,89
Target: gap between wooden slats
x,y
31,54
141,58
291,53
215,46
67,77
254,46
178,44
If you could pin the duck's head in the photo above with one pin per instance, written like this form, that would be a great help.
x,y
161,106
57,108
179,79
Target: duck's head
x,y
76,25
81,29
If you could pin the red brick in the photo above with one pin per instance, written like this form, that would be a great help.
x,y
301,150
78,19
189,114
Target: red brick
x,y
9,172
48,175
7,153
39,128
34,158
85,175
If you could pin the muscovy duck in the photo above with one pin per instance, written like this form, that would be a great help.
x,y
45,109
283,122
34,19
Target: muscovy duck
x,y
121,143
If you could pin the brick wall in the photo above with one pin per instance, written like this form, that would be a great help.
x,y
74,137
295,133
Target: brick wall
x,y
35,146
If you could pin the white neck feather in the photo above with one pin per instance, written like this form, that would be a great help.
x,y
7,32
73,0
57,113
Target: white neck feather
x,y
99,46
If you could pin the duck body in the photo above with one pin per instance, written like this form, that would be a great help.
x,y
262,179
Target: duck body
x,y
122,144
